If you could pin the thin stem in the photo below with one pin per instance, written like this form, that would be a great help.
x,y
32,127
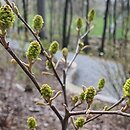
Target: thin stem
x,y
76,106
42,48
37,38
111,107
72,121
64,88
3,42
57,113
87,32
76,53
118,112
73,59
77,48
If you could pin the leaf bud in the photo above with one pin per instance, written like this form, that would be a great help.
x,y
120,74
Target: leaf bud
x,y
79,122
74,99
79,23
54,47
38,23
6,17
31,122
90,92
65,53
13,61
34,50
126,88
91,15
49,65
101,84
46,91
81,45
82,96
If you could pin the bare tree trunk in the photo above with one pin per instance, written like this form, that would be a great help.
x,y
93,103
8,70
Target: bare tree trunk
x,y
41,11
115,25
101,49
110,23
25,15
64,37
126,33
51,19
87,10
127,23
122,9
70,21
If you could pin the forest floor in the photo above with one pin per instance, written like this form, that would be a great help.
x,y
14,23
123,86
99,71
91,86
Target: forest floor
x,y
16,104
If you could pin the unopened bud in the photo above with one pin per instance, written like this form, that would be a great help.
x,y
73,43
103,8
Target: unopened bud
x,y
126,88
79,23
31,122
46,91
91,15
54,47
80,122
13,61
65,53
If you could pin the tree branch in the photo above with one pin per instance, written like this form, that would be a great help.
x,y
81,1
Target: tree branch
x,y
111,107
9,50
42,48
118,112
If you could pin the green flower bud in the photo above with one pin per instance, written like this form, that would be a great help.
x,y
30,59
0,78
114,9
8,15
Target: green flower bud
x,y
80,122
81,45
46,91
79,23
82,96
49,65
31,122
101,84
34,50
6,17
90,92
54,47
74,99
65,52
126,88
38,22
91,15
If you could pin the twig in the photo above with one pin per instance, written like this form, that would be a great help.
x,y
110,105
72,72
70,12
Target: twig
x,y
111,107
87,32
76,106
3,42
42,48
72,121
118,112
64,88
77,48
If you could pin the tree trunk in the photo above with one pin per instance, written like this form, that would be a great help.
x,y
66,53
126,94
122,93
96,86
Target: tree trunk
x,y
25,15
41,11
101,49
64,37
70,21
51,19
115,25
86,42
122,9
110,23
